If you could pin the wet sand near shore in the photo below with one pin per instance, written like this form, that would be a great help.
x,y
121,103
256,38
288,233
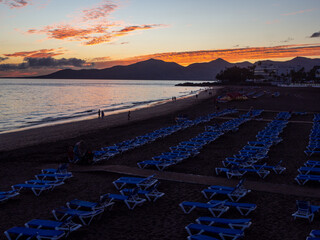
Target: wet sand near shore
x,y
164,219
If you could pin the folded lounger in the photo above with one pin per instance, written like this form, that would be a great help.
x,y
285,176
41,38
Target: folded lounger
x,y
63,213
303,178
67,226
243,208
53,183
159,164
216,209
56,176
63,168
131,200
276,168
234,193
30,233
241,224
152,194
140,182
37,189
230,172
224,233
305,210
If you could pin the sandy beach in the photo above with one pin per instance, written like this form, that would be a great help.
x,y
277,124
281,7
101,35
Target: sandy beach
x,y
23,154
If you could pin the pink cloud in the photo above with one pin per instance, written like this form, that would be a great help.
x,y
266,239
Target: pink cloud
x,y
42,53
99,12
273,21
298,12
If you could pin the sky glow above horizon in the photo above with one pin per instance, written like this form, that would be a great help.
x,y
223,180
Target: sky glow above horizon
x,y
43,36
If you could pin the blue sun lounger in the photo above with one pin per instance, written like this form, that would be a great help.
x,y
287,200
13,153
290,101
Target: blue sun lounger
x,y
4,196
243,208
37,189
216,209
64,213
309,153
66,226
131,200
139,182
234,193
241,224
86,205
305,210
152,194
315,234
224,233
29,233
307,170
312,163
303,178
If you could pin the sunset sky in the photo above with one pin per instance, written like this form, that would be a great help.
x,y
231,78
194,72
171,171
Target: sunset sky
x,y
43,36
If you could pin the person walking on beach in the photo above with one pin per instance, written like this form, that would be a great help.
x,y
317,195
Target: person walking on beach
x,y
129,115
99,113
102,114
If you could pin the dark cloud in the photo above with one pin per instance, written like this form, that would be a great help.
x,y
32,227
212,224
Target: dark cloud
x,y
316,34
3,58
46,63
288,39
16,3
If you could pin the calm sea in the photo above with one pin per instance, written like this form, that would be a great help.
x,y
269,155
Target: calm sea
x,y
34,102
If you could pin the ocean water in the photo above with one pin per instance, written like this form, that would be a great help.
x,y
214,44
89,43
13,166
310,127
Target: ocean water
x,y
33,102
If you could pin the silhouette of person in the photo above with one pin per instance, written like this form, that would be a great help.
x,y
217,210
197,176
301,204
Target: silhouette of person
x,y
99,112
102,114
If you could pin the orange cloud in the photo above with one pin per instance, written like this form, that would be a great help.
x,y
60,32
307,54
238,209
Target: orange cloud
x,y
230,55
42,53
90,36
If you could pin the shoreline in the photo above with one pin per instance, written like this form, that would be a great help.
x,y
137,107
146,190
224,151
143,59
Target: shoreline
x,y
60,131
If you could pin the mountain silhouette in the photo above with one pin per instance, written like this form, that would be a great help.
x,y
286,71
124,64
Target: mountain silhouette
x,y
154,69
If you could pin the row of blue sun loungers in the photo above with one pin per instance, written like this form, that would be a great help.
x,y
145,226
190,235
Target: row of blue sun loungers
x,y
311,169
192,147
309,172
207,228
47,180
84,211
314,137
111,151
246,160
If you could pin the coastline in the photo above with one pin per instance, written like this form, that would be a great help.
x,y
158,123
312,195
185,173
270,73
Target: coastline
x,y
74,128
